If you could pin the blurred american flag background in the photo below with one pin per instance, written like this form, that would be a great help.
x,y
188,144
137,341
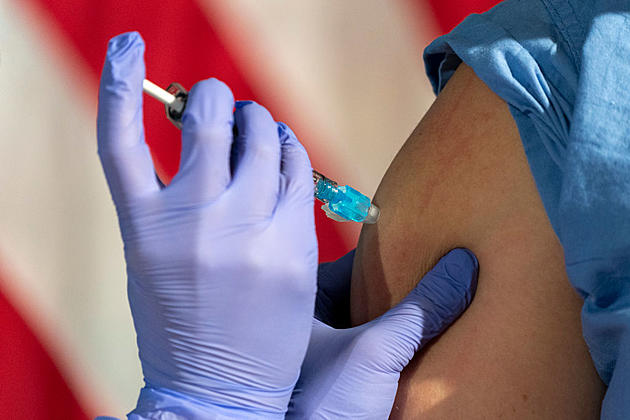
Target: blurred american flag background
x,y
347,76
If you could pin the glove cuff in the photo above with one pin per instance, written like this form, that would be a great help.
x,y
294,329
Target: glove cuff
x,y
159,403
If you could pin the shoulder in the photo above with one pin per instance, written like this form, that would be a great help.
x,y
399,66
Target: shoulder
x,y
509,45
551,35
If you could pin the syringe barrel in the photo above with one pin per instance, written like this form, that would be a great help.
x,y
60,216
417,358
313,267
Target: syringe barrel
x,y
344,201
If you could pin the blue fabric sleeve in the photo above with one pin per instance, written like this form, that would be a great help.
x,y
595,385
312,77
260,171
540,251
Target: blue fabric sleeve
x,y
562,67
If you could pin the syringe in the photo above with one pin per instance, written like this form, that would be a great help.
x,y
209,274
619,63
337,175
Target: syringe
x,y
340,203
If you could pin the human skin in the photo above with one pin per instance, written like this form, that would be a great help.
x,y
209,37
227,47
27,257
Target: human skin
x,y
462,180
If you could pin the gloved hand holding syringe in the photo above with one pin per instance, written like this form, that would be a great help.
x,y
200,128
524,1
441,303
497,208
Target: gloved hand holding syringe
x,y
340,203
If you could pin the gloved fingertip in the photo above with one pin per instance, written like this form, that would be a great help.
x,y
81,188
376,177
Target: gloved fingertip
x,y
241,104
121,45
124,67
284,132
210,103
462,267
288,137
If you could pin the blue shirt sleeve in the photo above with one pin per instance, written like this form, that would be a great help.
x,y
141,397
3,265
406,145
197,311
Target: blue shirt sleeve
x,y
562,67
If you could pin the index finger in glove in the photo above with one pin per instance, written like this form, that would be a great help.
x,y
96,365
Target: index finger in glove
x,y
122,149
204,169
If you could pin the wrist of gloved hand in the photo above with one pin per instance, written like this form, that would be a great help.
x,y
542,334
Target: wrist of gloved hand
x,y
158,403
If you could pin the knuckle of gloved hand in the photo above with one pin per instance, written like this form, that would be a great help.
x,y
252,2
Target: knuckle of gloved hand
x,y
209,138
301,274
287,272
201,129
256,258
262,149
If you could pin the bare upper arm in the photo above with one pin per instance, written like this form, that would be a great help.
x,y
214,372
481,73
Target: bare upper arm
x,y
462,179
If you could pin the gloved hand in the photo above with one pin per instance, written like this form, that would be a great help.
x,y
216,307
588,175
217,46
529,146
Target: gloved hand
x,y
222,262
354,372
332,305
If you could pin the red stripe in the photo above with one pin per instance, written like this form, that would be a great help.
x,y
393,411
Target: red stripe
x,y
30,384
449,13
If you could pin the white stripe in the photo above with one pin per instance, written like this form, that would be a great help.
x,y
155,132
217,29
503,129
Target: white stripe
x,y
348,73
58,229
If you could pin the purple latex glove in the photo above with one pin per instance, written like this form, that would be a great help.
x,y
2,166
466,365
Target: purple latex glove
x,y
222,262
353,373
332,306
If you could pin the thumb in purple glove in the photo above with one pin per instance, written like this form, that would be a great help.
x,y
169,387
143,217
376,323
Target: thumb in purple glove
x,y
354,373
